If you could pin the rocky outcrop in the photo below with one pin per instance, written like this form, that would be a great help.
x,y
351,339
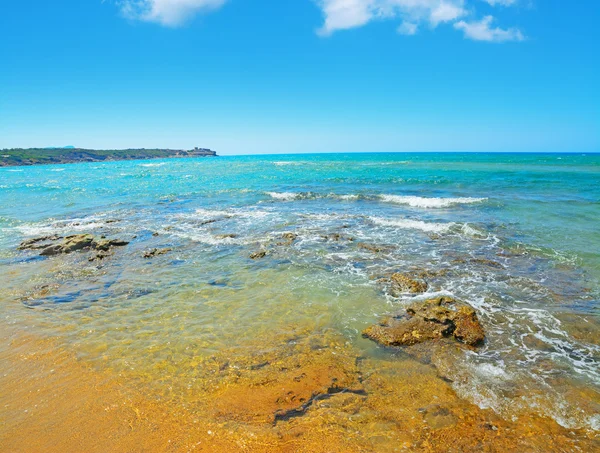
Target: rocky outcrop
x,y
433,319
405,283
57,245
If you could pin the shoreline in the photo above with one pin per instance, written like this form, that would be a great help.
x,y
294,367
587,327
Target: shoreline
x,y
57,402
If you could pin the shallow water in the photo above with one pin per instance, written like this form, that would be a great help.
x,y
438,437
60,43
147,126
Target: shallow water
x,y
203,327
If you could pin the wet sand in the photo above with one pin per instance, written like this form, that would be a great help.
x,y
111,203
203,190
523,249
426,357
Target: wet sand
x,y
314,397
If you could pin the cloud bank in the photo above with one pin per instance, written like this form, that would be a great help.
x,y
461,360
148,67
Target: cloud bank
x,y
338,15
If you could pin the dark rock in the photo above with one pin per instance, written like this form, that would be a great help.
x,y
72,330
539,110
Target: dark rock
x,y
106,244
429,320
156,252
227,236
407,284
100,255
371,247
336,237
258,255
289,236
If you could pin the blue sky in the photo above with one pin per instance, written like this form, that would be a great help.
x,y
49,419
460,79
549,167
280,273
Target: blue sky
x,y
278,76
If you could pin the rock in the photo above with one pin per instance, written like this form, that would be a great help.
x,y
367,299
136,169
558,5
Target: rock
x,y
429,320
51,250
486,262
407,284
369,247
38,243
468,329
77,242
258,255
289,236
100,255
227,236
156,252
336,237
155,234
106,244
405,331
69,244
50,246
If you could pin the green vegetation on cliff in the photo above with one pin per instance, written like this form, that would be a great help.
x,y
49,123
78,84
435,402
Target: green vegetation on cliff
x,y
34,156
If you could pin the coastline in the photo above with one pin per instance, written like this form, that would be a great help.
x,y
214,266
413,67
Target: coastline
x,y
54,156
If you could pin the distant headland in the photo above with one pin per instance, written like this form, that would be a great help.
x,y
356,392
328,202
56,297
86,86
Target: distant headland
x,y
69,154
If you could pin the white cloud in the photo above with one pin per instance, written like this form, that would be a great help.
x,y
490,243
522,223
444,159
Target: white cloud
x,y
167,12
346,14
482,31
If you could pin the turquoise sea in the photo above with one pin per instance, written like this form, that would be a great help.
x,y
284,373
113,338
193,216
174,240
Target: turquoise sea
x,y
517,236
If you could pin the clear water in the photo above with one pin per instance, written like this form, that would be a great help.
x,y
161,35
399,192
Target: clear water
x,y
536,215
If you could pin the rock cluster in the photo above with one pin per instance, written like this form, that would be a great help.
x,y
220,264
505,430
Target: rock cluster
x,y
433,319
57,245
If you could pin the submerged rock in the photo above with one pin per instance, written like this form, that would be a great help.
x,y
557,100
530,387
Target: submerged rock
x,y
38,243
429,320
370,247
336,237
486,262
288,238
227,236
156,252
407,284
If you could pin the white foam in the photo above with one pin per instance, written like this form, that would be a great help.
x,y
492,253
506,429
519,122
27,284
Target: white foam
x,y
424,202
152,165
410,224
285,196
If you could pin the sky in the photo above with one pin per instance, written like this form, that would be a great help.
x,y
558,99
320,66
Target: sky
x,y
291,76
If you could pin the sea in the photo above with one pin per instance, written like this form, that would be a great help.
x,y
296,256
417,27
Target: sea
x,y
247,328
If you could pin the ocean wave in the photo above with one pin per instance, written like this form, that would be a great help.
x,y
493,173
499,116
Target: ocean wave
x,y
425,202
283,163
285,196
411,224
408,200
152,165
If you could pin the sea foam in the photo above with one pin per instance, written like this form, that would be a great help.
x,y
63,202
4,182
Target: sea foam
x,y
424,202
